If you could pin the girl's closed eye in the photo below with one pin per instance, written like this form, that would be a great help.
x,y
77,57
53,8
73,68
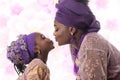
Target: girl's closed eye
x,y
43,37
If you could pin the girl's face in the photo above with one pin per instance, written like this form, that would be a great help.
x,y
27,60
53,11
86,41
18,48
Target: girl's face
x,y
61,33
44,44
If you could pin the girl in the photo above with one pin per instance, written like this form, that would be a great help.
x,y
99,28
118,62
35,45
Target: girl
x,y
31,50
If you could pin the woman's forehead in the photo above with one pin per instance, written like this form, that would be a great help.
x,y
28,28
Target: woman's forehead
x,y
58,24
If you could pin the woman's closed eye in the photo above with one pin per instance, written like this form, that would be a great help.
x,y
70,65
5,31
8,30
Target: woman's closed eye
x,y
56,30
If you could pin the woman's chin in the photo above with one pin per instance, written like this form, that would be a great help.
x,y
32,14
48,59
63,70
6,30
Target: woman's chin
x,y
61,44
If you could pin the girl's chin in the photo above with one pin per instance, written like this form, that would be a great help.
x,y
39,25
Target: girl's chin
x,y
52,48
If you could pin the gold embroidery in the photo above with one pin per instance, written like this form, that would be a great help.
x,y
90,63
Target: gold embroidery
x,y
77,62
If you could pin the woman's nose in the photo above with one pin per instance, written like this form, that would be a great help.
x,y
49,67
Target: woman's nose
x,y
54,34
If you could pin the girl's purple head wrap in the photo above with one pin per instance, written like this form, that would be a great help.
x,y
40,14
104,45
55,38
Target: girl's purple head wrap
x,y
21,51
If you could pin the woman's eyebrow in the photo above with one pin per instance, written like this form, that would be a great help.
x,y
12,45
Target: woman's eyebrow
x,y
55,25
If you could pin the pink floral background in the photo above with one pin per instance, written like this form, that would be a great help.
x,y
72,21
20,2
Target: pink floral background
x,y
25,16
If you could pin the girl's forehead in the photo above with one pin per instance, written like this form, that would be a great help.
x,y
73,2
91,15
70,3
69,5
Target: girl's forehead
x,y
39,35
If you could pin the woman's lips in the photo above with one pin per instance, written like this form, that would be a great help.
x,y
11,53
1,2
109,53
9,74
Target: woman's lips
x,y
55,39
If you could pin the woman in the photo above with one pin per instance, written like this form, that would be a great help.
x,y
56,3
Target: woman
x,y
94,57
33,50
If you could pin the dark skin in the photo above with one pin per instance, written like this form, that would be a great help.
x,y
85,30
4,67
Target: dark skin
x,y
42,47
77,34
63,34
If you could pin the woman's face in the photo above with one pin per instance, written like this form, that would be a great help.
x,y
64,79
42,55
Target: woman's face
x,y
61,33
43,44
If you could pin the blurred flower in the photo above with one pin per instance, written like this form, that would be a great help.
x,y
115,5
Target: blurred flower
x,y
112,24
16,9
101,3
3,20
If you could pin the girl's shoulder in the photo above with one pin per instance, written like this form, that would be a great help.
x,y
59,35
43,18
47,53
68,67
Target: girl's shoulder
x,y
36,62
35,69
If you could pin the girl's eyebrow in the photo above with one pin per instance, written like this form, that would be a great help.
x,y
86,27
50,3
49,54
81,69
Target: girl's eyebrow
x,y
41,34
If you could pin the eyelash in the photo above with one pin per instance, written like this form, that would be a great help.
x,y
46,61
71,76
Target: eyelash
x,y
56,29
43,37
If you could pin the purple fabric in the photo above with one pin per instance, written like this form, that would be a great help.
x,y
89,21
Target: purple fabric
x,y
30,40
116,78
76,68
75,14
22,50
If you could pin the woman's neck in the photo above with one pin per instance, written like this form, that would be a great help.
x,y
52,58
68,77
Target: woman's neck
x,y
77,37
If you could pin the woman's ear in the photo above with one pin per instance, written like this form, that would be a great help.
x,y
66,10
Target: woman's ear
x,y
72,30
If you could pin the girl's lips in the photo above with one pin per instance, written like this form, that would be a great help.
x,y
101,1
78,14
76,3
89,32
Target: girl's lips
x,y
52,42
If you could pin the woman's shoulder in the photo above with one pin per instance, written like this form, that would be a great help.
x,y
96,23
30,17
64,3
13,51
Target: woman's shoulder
x,y
94,37
95,41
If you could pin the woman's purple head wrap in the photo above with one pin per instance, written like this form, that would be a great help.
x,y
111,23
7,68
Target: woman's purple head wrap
x,y
21,51
76,14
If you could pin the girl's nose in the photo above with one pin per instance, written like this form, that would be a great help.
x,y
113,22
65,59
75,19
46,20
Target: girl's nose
x,y
48,38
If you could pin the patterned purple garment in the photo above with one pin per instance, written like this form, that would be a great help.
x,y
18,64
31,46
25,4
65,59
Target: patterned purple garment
x,y
97,59
21,51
